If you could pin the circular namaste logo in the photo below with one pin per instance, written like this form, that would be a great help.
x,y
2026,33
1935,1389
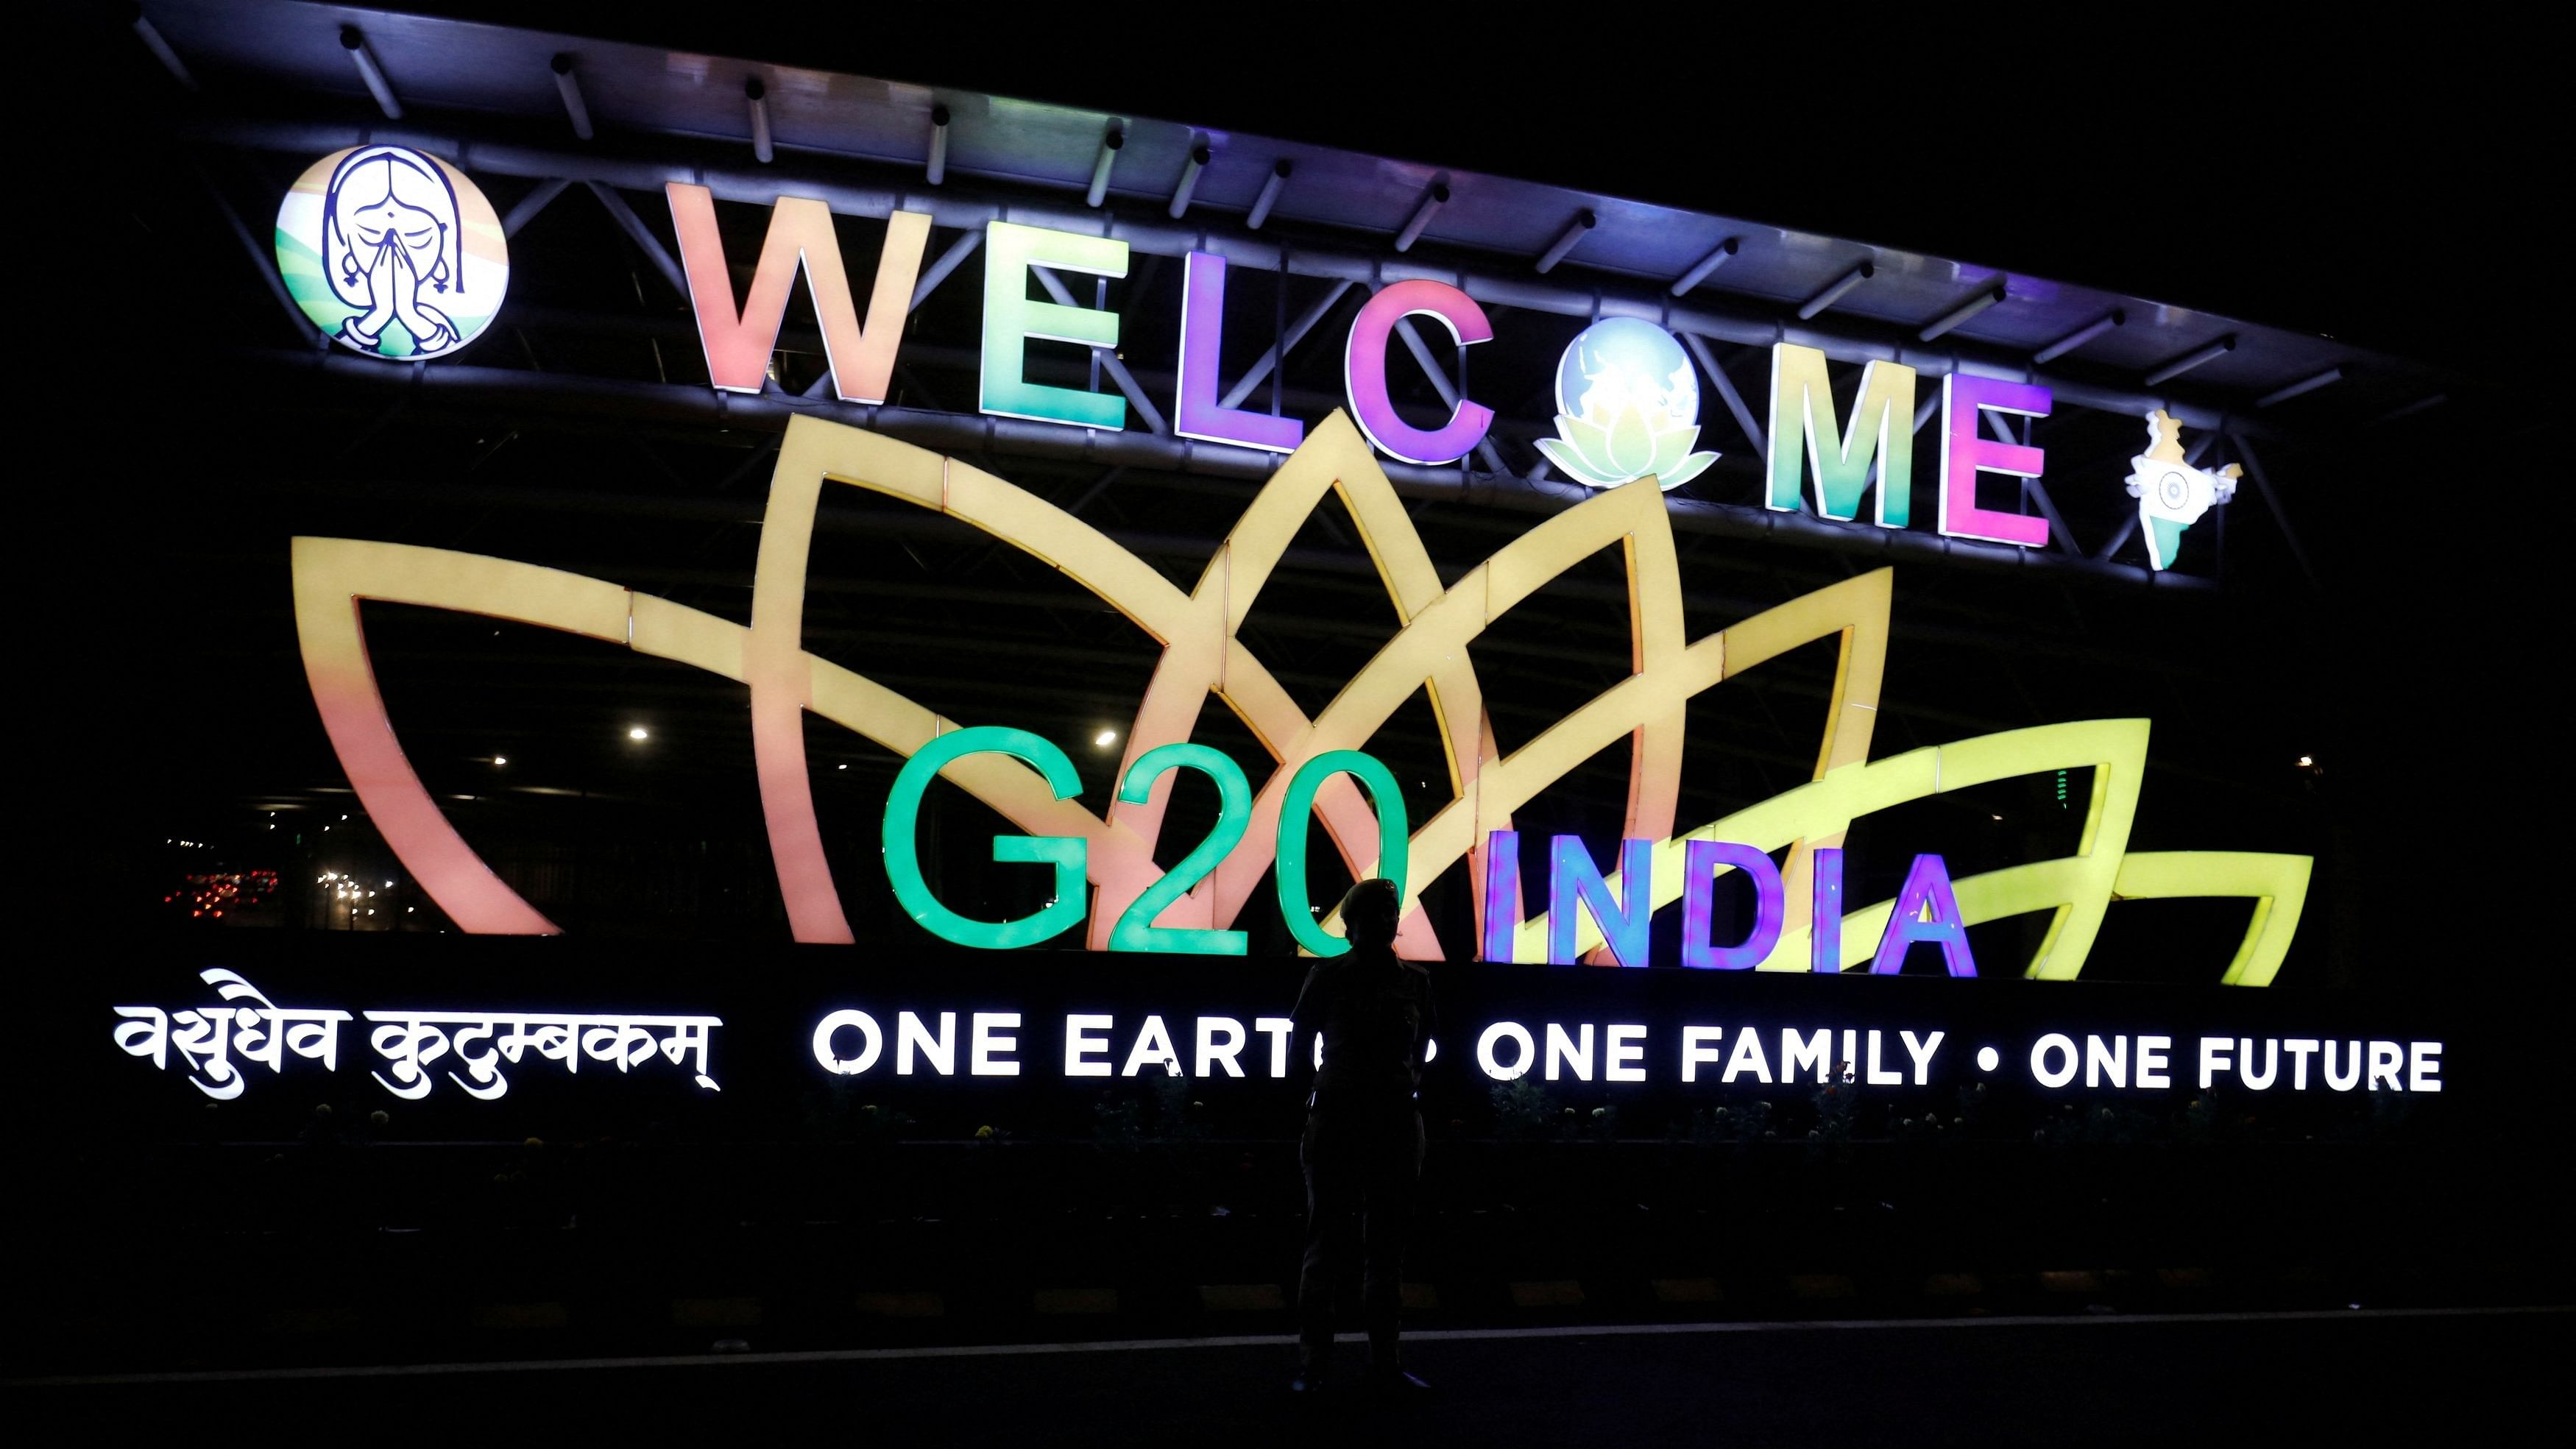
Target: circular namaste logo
x,y
392,252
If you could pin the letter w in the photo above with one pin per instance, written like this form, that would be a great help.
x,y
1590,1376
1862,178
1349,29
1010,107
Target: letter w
x,y
800,231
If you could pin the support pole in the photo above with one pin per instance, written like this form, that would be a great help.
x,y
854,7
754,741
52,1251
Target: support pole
x,y
1434,197
1200,155
642,235
2116,317
354,41
937,170
150,35
1280,170
1107,359
1289,339
1441,384
1726,389
2190,360
1834,291
756,96
568,86
530,204
2272,500
1111,140
1961,313
1581,227
1700,269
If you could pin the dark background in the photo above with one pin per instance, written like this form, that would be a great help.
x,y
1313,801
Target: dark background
x,y
2376,186
2383,182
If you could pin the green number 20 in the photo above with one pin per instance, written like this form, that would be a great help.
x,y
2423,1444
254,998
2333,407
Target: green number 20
x,y
1136,930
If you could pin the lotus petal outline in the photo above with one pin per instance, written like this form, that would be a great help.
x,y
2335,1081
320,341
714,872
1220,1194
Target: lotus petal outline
x,y
1203,654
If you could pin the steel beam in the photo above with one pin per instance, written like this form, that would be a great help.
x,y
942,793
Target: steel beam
x,y
1726,390
1288,341
2272,500
530,204
264,261
955,207
1440,383
683,403
642,235
1108,359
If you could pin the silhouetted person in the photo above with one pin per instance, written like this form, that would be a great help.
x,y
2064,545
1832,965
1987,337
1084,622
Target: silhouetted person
x,y
1363,1142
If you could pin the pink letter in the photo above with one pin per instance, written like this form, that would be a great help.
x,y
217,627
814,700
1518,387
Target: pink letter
x,y
800,229
1964,453
1364,371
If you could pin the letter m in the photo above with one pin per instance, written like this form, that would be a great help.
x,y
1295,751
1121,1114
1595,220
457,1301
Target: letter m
x,y
1796,1052
1805,437
738,344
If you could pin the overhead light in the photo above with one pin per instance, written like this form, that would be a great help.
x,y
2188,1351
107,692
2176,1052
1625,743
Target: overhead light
x,y
636,733
1105,738
500,759
2307,762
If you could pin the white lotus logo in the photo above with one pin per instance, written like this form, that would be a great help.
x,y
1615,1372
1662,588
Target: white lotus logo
x,y
1627,406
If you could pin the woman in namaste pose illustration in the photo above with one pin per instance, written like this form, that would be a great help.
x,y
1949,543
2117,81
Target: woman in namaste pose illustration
x,y
390,243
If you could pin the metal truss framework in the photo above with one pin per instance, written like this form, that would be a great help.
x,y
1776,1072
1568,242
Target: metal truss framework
x,y
1152,444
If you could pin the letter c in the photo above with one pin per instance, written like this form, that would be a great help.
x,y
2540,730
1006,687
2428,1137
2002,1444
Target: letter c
x,y
1364,371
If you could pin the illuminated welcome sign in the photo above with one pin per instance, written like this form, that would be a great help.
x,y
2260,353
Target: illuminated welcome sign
x,y
380,245
1630,416
1317,761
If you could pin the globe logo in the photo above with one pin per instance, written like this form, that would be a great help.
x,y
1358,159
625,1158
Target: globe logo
x,y
392,252
1627,407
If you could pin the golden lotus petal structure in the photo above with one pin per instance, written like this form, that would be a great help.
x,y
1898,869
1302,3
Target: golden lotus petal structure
x,y
1202,654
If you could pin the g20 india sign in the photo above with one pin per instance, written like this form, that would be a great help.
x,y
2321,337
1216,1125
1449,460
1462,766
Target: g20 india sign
x,y
1103,864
